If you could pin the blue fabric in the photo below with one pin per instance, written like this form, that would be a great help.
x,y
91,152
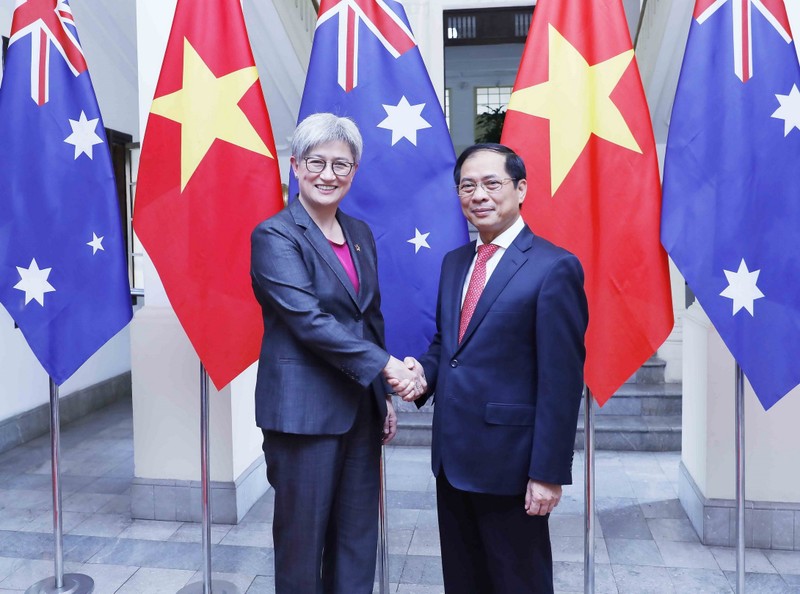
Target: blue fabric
x,y
400,187
53,198
731,195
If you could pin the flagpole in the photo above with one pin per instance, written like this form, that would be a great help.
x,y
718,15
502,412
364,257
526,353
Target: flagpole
x,y
71,583
383,548
207,586
740,478
588,454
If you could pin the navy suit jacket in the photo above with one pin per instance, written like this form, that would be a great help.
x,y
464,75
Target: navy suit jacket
x,y
507,397
323,347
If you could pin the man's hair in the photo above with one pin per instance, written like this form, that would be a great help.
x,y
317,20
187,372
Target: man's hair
x,y
515,167
321,128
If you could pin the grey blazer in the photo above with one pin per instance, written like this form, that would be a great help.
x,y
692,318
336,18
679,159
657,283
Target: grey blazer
x,y
323,347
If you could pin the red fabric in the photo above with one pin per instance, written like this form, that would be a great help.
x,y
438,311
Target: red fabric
x,y
607,209
476,284
199,238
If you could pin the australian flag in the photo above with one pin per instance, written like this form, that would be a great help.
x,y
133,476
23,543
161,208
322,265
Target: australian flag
x,y
63,274
731,206
365,64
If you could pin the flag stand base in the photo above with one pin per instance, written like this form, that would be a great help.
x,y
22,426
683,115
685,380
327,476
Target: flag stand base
x,y
217,587
74,583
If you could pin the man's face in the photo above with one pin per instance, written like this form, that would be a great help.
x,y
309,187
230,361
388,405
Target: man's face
x,y
495,211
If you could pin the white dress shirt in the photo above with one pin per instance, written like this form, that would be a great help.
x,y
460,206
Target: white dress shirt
x,y
505,239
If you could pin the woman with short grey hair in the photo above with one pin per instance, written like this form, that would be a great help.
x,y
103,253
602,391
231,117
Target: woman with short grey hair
x,y
321,396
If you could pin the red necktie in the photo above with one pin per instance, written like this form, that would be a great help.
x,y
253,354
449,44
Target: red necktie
x,y
476,284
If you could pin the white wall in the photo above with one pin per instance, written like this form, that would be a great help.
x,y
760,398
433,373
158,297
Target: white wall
x,y
107,30
708,447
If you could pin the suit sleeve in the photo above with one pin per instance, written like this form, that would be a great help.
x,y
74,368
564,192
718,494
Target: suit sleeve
x,y
561,320
282,282
430,360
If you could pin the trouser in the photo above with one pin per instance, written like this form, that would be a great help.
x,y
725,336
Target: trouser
x,y
490,545
325,527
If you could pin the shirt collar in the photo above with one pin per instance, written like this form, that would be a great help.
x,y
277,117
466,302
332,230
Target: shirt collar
x,y
507,237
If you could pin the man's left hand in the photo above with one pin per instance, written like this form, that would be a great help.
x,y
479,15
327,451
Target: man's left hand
x,y
541,498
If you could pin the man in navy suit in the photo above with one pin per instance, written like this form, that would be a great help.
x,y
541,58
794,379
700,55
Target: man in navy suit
x,y
505,370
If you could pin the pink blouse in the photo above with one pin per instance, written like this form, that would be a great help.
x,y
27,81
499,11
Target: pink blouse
x,y
343,253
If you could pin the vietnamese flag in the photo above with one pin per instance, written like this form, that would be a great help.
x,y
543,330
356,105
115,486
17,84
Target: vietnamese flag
x,y
579,118
207,176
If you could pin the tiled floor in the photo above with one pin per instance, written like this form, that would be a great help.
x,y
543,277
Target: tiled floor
x,y
645,543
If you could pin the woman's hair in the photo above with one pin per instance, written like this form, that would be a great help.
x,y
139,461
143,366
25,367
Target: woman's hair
x,y
320,128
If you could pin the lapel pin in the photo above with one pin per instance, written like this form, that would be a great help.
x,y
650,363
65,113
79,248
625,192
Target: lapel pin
x,y
358,247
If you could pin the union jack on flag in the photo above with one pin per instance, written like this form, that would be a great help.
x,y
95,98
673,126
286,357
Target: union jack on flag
x,y
63,264
382,21
772,10
48,27
404,188
730,212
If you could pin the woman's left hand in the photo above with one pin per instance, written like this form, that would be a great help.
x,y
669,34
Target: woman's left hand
x,y
389,423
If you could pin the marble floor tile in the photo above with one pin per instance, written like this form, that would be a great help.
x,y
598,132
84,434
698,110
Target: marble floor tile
x,y
262,585
253,534
755,560
686,555
156,581
638,579
150,530
239,581
193,532
108,579
759,583
32,571
626,551
785,561
110,525
699,581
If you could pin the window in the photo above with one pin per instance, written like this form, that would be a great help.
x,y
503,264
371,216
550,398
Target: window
x,y
489,99
447,107
487,26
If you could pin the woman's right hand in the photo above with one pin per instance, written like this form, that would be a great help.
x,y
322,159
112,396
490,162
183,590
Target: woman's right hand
x,y
407,379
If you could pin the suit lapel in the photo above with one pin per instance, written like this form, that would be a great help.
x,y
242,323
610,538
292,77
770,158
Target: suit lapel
x,y
323,247
452,288
514,257
361,253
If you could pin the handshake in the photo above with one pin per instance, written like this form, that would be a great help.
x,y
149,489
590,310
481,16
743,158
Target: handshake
x,y
406,378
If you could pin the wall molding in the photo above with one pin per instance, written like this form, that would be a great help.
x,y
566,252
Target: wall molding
x,y
33,423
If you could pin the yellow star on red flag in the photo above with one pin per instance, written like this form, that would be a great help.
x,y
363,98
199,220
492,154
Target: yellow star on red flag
x,y
205,183
579,119
207,109
577,101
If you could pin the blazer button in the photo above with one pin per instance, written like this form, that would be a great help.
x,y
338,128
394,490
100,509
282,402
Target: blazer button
x,y
358,317
454,363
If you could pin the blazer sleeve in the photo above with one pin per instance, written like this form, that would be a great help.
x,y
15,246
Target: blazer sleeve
x,y
431,359
282,282
561,320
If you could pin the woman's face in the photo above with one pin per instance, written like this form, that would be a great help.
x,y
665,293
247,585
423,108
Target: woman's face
x,y
322,189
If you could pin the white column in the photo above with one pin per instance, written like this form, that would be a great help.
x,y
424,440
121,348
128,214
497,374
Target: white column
x,y
707,476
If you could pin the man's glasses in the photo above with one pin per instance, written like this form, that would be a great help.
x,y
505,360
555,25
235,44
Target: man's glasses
x,y
317,165
467,189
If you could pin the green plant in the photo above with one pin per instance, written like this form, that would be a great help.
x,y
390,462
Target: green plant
x,y
489,125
